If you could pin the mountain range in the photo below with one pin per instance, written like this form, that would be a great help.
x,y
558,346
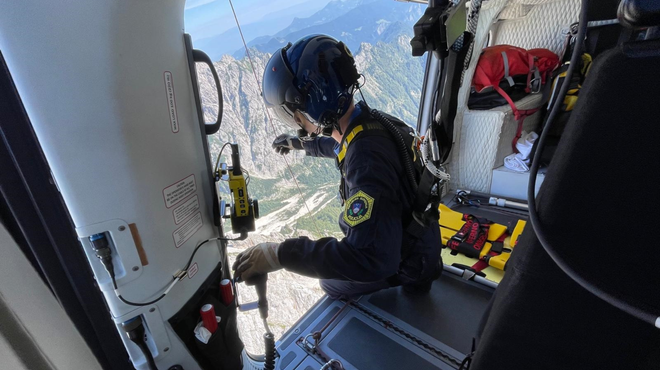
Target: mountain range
x,y
352,21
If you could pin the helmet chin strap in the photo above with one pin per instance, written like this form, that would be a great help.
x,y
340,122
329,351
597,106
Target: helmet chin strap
x,y
330,123
327,131
330,120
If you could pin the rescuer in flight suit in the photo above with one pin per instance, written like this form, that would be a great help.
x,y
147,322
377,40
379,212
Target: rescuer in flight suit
x,y
310,86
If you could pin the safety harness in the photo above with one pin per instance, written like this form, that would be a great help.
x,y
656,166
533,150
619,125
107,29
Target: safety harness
x,y
471,238
422,216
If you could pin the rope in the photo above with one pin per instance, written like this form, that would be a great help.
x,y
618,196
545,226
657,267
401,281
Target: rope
x,y
270,119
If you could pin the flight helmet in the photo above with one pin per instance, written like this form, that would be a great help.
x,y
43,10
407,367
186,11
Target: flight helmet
x,y
315,75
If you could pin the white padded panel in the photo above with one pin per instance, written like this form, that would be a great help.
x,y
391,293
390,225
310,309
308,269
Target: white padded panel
x,y
486,139
537,26
515,11
530,2
488,14
476,158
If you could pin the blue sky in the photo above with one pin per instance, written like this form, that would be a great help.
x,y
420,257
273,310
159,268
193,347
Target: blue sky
x,y
206,18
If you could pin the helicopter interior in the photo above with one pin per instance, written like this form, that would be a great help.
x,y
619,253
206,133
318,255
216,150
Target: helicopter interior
x,y
580,291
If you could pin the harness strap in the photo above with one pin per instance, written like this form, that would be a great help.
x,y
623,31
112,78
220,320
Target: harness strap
x,y
421,217
507,76
471,238
354,134
347,141
521,120
495,250
417,222
531,62
518,114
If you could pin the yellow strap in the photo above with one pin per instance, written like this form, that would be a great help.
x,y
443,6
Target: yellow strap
x,y
499,261
516,232
351,135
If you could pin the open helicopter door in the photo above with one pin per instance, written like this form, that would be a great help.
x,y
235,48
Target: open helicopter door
x,y
35,332
110,90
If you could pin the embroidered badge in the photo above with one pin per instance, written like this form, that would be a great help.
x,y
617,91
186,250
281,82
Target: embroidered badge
x,y
358,208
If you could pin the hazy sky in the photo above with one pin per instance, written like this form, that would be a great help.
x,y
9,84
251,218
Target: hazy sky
x,y
205,18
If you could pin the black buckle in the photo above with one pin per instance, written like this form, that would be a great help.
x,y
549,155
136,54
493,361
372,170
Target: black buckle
x,y
459,237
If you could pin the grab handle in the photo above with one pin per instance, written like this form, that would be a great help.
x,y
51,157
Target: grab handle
x,y
201,57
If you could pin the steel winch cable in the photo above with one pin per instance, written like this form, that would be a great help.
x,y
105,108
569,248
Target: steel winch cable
x,y
270,119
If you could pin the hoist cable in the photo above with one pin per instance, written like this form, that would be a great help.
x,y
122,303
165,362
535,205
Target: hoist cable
x,y
270,119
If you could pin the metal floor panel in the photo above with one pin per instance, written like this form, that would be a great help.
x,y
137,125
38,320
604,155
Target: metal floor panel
x,y
364,335
364,344
450,314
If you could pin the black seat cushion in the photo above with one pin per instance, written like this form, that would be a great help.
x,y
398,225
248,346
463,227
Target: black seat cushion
x,y
599,207
639,13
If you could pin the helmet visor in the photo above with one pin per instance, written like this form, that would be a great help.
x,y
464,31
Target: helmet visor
x,y
279,91
285,113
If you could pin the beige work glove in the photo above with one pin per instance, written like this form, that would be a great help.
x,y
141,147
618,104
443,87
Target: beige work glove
x,y
257,260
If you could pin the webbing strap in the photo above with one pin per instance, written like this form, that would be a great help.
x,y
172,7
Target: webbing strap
x,y
507,76
423,191
508,99
518,114
347,140
531,62
420,217
471,238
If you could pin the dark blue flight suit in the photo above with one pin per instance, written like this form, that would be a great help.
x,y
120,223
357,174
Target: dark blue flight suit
x,y
376,251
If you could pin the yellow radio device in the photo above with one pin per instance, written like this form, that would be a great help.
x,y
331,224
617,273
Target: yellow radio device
x,y
243,209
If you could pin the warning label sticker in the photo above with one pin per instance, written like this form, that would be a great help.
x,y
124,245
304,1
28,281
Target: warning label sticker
x,y
179,191
171,101
186,209
192,270
190,227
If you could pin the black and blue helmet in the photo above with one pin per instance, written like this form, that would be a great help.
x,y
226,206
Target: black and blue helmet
x,y
315,75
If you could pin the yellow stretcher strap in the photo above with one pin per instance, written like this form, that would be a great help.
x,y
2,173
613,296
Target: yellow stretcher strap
x,y
520,226
347,140
499,261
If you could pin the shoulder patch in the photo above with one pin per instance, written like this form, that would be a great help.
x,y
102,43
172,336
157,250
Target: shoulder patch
x,y
358,208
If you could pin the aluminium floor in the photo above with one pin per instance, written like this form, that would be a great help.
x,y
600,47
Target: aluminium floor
x,y
377,331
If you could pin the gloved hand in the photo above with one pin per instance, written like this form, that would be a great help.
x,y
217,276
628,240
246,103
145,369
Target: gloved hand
x,y
285,143
257,260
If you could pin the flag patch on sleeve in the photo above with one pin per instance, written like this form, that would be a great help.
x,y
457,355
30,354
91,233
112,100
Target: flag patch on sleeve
x,y
358,208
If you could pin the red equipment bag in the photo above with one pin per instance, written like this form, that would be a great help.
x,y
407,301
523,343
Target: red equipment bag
x,y
501,62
